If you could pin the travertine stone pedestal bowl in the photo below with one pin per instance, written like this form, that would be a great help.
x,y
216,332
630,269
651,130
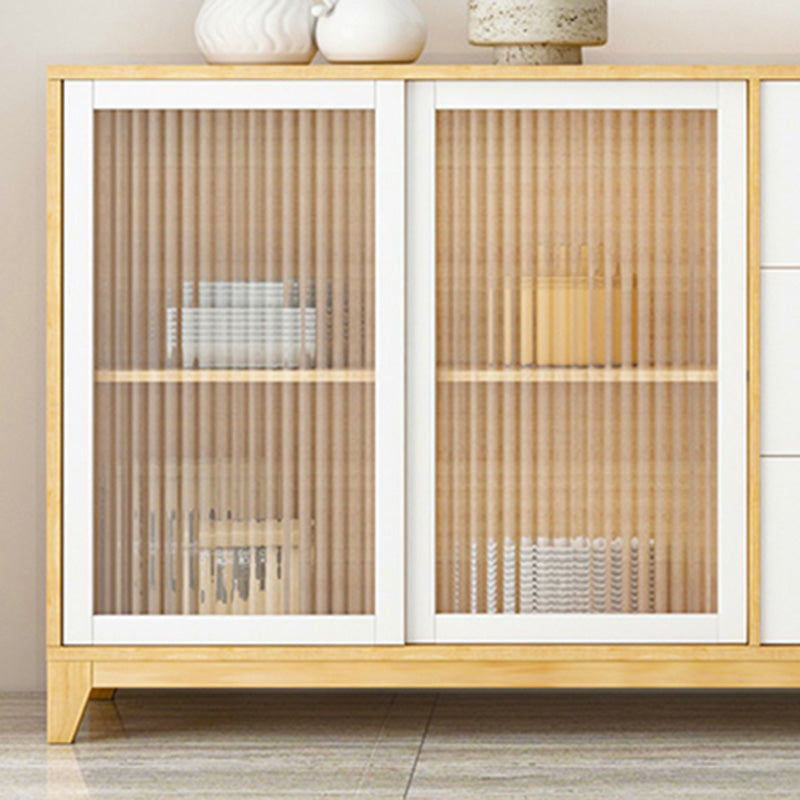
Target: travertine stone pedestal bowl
x,y
538,31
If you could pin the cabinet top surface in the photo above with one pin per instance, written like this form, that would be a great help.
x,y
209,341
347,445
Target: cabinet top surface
x,y
418,72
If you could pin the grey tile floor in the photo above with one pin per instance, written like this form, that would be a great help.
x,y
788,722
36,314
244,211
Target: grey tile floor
x,y
276,745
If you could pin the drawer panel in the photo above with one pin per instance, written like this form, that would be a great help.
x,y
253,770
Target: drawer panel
x,y
780,174
780,550
780,362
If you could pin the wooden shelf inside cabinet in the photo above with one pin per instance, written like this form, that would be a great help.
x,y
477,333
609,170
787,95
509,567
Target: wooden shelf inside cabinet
x,y
578,375
236,376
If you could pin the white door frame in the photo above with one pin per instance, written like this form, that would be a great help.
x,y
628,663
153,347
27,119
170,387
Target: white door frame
x,y
81,626
423,624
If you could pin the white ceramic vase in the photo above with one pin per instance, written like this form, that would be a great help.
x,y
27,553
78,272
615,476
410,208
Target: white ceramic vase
x,y
369,30
256,31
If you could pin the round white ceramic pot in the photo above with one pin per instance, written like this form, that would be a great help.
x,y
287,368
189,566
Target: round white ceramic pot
x,y
369,30
256,31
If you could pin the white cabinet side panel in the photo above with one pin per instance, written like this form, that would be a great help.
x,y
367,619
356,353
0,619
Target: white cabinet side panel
x,y
780,174
780,550
780,362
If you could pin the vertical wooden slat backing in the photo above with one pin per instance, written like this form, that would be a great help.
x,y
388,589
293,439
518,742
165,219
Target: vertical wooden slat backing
x,y
660,269
642,557
480,534
135,310
104,397
288,428
576,358
238,245
305,251
172,403
206,502
339,572
238,425
526,223
190,454
323,233
445,172
153,280
252,476
355,409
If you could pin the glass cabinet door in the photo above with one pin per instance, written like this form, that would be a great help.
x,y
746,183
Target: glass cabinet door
x,y
585,419
234,294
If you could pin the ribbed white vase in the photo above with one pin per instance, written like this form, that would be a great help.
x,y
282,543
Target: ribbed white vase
x,y
256,31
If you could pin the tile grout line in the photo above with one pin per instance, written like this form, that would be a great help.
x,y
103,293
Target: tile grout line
x,y
375,746
419,749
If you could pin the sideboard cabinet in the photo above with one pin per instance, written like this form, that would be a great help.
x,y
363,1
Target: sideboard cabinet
x,y
403,376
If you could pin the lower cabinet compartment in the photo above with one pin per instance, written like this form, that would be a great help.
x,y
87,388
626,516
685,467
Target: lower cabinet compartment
x,y
238,372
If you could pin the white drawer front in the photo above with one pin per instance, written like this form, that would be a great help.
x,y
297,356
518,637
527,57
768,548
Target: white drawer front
x,y
780,174
780,362
780,550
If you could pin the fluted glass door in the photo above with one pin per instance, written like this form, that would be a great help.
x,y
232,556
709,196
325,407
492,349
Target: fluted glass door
x,y
577,371
234,376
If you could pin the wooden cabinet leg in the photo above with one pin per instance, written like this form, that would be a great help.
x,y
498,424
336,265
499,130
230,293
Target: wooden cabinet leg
x,y
102,694
69,684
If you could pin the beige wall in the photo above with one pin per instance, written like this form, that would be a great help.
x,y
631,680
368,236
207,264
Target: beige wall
x,y
34,33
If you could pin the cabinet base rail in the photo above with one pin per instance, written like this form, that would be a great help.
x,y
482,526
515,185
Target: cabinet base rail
x,y
77,675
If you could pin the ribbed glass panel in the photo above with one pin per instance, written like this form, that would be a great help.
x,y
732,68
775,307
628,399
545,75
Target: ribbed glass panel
x,y
234,395
576,362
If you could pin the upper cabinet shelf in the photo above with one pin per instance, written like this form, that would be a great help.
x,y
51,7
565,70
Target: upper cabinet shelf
x,y
235,376
579,375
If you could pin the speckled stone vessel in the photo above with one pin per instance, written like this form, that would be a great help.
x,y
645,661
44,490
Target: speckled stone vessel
x,y
538,31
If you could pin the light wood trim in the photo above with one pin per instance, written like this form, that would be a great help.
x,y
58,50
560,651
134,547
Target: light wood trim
x,y
437,653
456,665
421,72
754,365
68,687
577,375
451,674
236,376
53,545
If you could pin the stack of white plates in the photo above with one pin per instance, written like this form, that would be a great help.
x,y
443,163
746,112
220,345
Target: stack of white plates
x,y
246,294
562,569
243,338
583,575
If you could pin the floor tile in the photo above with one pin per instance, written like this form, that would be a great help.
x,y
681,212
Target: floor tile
x,y
281,745
219,745
611,745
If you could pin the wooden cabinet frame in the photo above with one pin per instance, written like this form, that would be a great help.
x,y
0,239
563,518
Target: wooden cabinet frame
x,y
74,671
